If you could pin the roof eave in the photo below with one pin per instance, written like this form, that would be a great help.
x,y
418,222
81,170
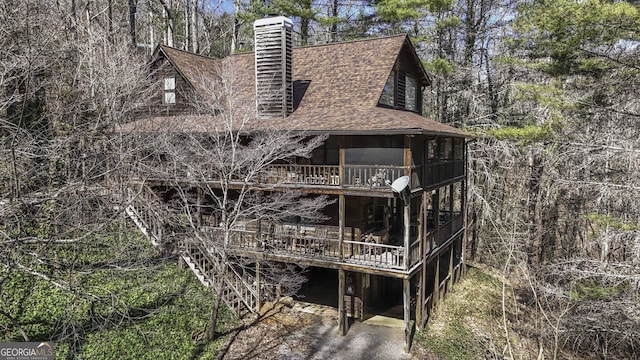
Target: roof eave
x,y
417,58
387,132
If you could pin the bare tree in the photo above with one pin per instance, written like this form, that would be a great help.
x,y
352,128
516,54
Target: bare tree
x,y
216,168
61,93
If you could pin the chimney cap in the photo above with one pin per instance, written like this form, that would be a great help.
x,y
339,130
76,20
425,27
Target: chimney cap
x,y
273,21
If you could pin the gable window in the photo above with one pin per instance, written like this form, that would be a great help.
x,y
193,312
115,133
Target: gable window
x,y
170,90
411,94
389,92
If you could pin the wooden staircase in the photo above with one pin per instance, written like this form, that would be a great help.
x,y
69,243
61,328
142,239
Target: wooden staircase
x,y
142,209
239,288
239,292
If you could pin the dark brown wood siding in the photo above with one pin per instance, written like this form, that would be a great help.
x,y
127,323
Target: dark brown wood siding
x,y
163,69
407,65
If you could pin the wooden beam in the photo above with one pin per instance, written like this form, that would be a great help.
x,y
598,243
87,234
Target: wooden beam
x,y
451,277
407,156
406,296
341,222
199,196
258,286
436,284
341,145
420,298
342,311
407,228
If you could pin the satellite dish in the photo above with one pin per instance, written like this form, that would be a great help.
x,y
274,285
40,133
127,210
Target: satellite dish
x,y
400,184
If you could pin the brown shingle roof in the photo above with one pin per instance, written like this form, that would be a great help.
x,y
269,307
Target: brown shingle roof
x,y
336,89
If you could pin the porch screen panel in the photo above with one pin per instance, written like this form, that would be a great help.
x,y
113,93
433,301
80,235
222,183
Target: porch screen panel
x,y
375,150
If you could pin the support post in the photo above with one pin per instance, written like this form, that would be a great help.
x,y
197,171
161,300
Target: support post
x,y
436,284
199,196
406,296
420,298
451,277
342,311
341,215
407,228
258,287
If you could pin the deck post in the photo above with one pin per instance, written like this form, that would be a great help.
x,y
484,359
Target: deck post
x,y
420,298
199,196
341,224
342,311
451,267
436,284
407,228
258,286
341,156
406,296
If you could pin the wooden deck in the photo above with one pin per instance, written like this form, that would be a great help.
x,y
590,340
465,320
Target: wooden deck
x,y
321,246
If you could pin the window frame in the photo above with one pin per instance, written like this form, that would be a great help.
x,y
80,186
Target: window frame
x,y
391,81
169,92
416,91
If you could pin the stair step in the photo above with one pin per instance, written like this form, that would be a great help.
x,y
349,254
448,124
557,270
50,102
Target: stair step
x,y
239,289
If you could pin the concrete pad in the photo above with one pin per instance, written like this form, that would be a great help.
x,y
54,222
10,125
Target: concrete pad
x,y
385,321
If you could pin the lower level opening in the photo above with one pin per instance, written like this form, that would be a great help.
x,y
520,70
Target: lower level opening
x,y
370,294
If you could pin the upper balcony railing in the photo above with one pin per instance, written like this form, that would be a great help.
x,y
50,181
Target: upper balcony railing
x,y
378,176
328,175
354,176
372,176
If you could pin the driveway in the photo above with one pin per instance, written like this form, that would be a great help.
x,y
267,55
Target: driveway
x,y
310,332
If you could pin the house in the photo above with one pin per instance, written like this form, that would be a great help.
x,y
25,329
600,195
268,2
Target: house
x,y
382,249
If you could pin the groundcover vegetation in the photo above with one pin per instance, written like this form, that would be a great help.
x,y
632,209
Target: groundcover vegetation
x,y
118,298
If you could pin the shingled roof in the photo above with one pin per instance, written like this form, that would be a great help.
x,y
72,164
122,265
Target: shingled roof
x,y
336,89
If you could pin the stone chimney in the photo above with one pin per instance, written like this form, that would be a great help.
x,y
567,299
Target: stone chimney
x,y
273,63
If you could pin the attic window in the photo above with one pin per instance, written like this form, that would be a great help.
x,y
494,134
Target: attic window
x,y
388,93
170,90
411,94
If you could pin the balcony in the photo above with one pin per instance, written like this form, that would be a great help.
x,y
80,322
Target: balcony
x,y
371,177
318,244
329,175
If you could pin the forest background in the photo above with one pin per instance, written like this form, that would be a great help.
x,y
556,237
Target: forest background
x,y
549,89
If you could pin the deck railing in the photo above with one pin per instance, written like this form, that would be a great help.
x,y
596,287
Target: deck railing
x,y
303,174
435,173
371,176
363,176
373,254
321,243
415,252
436,238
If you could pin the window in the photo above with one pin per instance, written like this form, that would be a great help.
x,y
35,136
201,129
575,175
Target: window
x,y
432,150
444,208
411,94
458,148
401,91
446,149
170,90
457,199
389,91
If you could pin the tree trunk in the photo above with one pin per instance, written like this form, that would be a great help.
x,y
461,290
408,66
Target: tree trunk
x,y
132,22
334,24
211,330
193,26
